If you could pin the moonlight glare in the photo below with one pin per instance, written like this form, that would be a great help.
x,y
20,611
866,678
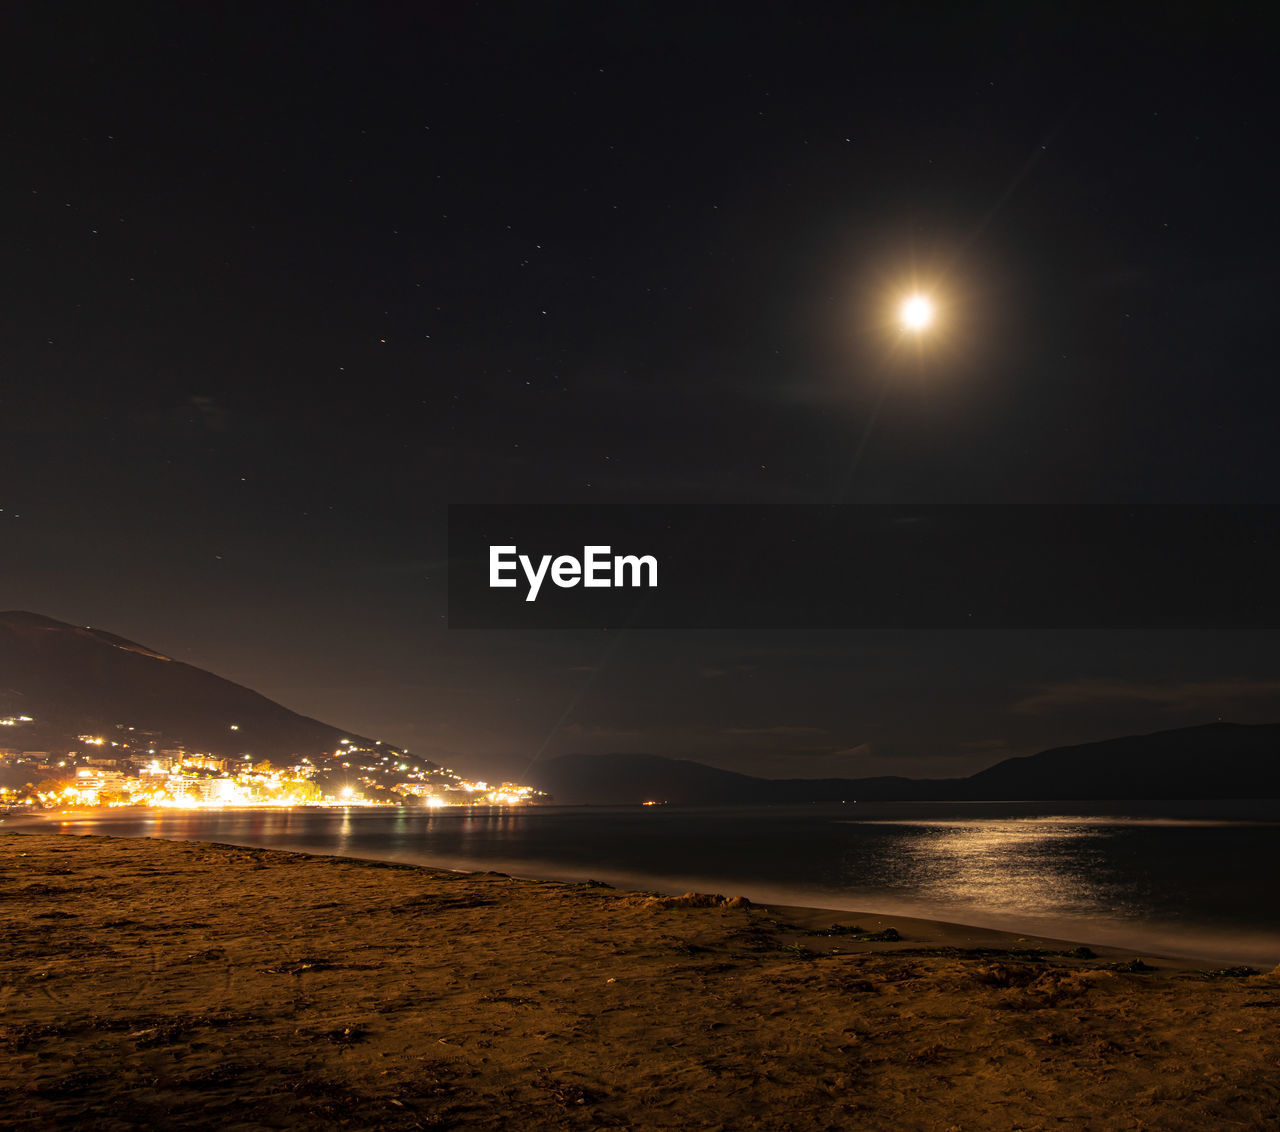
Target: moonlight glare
x,y
916,313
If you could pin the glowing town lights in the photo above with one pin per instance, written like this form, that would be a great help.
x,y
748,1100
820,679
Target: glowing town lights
x,y
187,780
235,727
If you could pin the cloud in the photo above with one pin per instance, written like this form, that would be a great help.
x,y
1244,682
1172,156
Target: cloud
x,y
860,751
213,415
784,730
594,731
1190,694
845,762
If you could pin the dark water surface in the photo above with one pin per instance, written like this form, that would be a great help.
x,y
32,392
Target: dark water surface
x,y
1170,878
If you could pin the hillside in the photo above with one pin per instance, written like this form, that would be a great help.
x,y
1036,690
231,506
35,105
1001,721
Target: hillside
x,y
75,681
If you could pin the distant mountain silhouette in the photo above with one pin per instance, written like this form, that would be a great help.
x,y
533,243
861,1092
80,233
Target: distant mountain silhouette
x,y
74,680
1219,760
622,779
1216,760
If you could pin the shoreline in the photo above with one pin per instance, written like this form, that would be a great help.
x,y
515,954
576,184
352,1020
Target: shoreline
x,y
920,930
190,984
1175,946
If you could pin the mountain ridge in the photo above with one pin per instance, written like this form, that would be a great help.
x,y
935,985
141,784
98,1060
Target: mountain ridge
x,y
74,680
1207,761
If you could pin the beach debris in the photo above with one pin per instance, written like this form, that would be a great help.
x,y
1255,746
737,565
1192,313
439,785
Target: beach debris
x,y
1030,954
562,1092
1230,973
1131,967
165,1031
297,967
933,1054
20,1037
695,900
1004,975
686,947
1034,988
888,935
346,1035
509,999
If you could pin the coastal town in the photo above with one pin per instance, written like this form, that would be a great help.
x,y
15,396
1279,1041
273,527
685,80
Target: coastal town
x,y
126,766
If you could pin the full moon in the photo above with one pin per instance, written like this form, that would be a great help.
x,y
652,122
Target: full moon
x,y
916,313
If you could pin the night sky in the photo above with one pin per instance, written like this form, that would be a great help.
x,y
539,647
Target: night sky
x,y
281,281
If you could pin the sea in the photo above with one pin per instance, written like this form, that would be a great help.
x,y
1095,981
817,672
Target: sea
x,y
1179,879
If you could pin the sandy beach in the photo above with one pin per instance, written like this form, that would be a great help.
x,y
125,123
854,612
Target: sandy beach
x,y
196,985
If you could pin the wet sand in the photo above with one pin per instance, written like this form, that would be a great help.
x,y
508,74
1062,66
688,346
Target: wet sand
x,y
172,984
